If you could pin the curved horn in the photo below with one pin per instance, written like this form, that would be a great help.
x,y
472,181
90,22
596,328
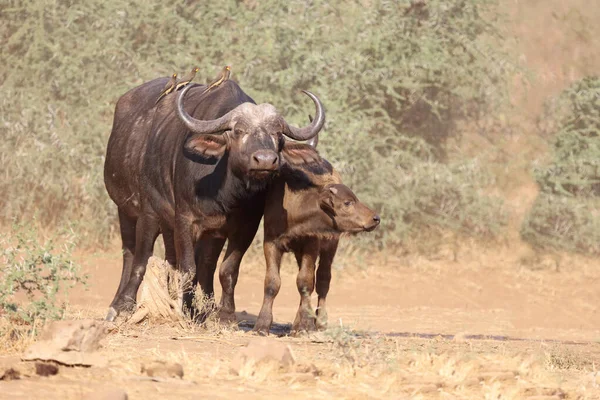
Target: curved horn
x,y
315,126
315,140
214,127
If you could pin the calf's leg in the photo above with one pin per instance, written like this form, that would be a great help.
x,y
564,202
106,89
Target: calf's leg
x,y
307,256
272,285
327,253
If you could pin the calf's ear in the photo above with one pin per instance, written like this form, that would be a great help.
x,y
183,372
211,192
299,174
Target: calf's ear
x,y
326,199
205,146
296,153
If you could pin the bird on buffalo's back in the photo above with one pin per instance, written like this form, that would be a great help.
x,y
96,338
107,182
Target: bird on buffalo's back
x,y
186,79
168,87
223,76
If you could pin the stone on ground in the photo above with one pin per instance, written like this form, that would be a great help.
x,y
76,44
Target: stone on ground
x,y
262,351
69,343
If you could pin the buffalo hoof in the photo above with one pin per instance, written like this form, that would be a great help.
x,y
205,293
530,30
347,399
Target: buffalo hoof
x,y
120,308
111,315
261,332
321,323
261,328
306,324
226,317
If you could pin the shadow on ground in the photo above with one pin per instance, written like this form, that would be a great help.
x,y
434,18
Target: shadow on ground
x,y
247,321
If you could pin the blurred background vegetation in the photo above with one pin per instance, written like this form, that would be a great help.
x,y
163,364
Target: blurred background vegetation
x,y
407,85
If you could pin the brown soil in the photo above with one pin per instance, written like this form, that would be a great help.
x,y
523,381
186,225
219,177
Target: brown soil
x,y
433,329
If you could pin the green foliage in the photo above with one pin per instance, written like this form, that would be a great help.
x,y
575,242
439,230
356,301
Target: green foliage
x,y
575,169
35,272
564,223
565,216
450,197
395,77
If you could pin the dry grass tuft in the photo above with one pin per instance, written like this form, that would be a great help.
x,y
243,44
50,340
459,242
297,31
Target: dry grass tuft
x,y
161,293
15,338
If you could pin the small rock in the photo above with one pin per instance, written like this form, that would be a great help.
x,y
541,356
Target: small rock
x,y
9,374
261,350
45,369
109,394
83,335
12,368
69,343
163,369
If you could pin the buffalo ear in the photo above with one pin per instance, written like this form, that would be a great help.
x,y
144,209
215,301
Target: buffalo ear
x,y
206,146
326,199
299,153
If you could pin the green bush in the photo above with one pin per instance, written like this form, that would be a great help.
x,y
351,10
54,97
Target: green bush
x,y
563,223
565,216
33,274
394,76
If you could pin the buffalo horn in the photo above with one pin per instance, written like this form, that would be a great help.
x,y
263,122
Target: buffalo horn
x,y
214,127
310,131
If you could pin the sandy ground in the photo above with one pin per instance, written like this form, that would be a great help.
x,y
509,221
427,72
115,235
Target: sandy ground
x,y
407,329
479,296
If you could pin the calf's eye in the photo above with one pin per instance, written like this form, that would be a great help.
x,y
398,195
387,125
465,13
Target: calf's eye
x,y
348,203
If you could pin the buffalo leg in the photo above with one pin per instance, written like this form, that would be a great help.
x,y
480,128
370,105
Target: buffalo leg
x,y
327,253
207,256
186,264
305,318
272,285
169,242
147,230
238,243
127,227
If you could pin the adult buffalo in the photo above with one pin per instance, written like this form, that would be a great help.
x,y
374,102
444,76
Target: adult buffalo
x,y
197,173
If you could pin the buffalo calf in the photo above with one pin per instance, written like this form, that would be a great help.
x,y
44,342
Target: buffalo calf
x,y
306,210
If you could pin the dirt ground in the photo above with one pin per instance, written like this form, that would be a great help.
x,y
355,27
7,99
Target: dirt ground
x,y
488,326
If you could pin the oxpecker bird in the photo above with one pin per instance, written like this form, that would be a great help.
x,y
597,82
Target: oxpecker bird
x,y
186,79
223,76
168,88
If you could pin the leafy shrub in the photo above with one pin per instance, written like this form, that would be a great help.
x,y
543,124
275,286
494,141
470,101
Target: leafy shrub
x,y
37,272
565,223
388,72
565,216
450,197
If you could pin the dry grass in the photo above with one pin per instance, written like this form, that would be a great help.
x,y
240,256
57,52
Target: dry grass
x,y
15,338
344,365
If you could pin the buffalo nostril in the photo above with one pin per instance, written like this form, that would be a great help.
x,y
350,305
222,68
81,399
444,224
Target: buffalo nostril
x,y
377,219
266,160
